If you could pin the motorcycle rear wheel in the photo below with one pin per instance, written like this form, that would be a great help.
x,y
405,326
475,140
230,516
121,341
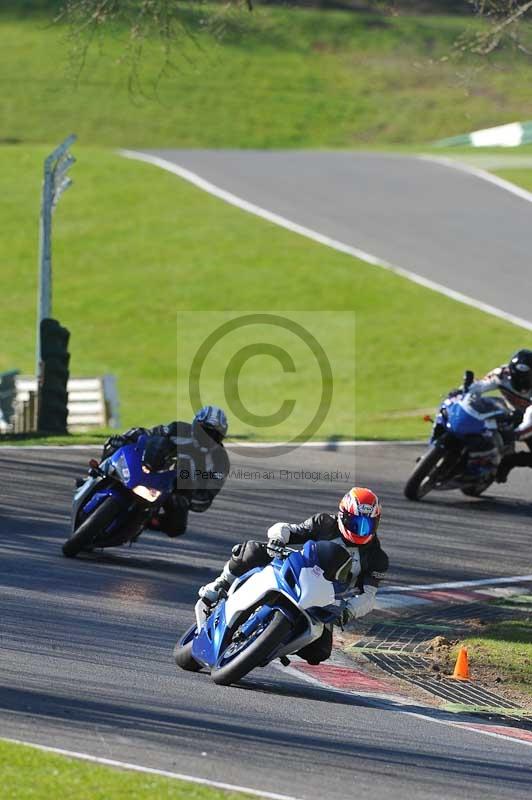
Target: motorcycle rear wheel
x,y
423,477
256,654
475,491
87,532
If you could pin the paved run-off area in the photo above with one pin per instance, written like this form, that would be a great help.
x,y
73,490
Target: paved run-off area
x,y
86,644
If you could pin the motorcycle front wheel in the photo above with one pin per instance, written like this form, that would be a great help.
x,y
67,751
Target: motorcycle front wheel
x,y
92,527
233,668
425,475
184,658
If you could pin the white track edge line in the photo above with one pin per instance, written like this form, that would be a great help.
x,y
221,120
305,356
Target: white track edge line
x,y
457,584
330,445
404,707
109,762
295,227
471,728
250,445
483,174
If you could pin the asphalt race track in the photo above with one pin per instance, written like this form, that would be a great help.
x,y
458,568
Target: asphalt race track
x,y
86,644
448,226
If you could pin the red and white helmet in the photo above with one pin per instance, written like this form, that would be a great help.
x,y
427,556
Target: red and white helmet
x,y
359,517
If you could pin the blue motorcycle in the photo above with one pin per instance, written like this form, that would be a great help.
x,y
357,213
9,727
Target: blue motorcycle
x,y
120,495
269,613
464,425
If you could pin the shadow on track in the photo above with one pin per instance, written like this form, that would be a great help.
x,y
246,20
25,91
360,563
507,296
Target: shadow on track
x,y
485,505
153,723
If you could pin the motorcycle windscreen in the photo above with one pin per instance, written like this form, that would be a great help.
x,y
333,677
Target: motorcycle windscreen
x,y
316,590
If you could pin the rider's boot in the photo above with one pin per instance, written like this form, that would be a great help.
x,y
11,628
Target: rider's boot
x,y
212,592
503,470
522,459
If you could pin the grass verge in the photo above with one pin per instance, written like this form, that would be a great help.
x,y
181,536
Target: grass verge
x,y
521,177
19,440
279,77
121,280
27,773
502,655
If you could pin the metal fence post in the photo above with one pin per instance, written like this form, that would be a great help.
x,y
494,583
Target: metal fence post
x,y
54,184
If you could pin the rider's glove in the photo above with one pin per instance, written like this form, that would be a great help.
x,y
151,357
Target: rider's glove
x,y
280,531
345,613
169,431
278,536
274,547
113,443
359,605
133,434
517,417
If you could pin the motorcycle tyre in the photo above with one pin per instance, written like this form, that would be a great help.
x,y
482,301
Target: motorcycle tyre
x,y
184,658
474,491
256,654
423,469
88,531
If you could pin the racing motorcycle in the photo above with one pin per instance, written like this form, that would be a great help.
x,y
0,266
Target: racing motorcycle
x,y
461,420
120,495
269,613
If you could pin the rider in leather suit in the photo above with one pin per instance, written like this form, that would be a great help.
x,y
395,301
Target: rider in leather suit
x,y
202,465
514,381
354,527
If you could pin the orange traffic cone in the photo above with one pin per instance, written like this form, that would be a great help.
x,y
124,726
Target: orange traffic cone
x,y
461,669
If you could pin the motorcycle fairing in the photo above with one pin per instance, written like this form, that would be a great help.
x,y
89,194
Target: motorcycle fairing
x,y
298,579
127,463
125,471
472,416
462,423
312,591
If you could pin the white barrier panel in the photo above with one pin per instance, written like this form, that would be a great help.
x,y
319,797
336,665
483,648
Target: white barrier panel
x,y
92,402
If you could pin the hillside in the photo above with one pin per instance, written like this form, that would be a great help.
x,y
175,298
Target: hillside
x,y
276,78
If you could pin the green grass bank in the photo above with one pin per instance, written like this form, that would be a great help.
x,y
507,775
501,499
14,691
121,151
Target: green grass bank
x,y
502,653
135,246
521,177
30,774
278,77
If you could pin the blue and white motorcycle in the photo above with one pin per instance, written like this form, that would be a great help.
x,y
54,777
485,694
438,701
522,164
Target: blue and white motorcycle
x,y
269,613
462,421
112,506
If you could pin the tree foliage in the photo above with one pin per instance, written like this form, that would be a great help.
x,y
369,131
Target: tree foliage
x,y
509,20
140,21
505,22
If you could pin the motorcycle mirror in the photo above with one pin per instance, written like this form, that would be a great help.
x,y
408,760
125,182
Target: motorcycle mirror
x,y
427,418
469,377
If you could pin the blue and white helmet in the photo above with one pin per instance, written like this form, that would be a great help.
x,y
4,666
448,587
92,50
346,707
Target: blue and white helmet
x,y
213,421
